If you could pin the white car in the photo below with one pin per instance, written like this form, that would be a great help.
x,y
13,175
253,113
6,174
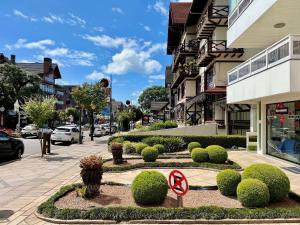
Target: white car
x,y
32,131
65,134
99,131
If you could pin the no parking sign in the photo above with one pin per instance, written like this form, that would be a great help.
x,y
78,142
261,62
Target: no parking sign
x,y
179,185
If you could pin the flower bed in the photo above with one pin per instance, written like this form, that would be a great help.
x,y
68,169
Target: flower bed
x,y
165,162
56,207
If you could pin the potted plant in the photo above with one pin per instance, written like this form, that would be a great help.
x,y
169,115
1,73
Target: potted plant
x,y
91,173
117,152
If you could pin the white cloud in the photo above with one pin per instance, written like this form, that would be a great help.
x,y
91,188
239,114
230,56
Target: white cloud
x,y
147,28
74,20
69,19
111,42
157,77
95,76
99,29
53,19
22,15
22,43
117,10
161,8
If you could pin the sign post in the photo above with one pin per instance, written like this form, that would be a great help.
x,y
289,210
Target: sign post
x,y
179,185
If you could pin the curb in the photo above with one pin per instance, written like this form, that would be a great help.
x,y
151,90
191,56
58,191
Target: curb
x,y
183,221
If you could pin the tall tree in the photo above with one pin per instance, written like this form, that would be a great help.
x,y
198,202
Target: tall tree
x,y
91,97
151,94
16,83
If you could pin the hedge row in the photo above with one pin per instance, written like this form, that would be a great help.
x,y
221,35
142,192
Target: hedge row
x,y
224,141
48,209
231,165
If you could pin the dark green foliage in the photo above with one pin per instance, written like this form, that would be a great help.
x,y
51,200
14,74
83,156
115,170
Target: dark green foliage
x,y
48,209
193,145
150,154
227,181
152,94
163,125
129,147
225,141
139,147
149,188
160,148
276,180
171,144
217,154
253,193
118,140
200,155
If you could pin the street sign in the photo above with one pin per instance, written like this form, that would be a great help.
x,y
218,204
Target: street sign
x,y
178,183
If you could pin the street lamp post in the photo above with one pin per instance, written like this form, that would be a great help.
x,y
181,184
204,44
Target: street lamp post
x,y
17,110
80,115
2,109
110,106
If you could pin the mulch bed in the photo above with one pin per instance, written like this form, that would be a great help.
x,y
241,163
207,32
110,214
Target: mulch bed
x,y
112,195
129,162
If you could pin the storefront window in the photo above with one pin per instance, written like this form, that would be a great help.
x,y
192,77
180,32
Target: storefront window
x,y
283,131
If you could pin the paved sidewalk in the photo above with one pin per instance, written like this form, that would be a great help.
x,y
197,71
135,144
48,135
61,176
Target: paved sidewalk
x,y
26,183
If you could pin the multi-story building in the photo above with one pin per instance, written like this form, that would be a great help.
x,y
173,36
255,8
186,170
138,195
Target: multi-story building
x,y
201,59
270,80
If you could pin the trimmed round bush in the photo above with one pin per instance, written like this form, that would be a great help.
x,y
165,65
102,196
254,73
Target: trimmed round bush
x,y
139,147
253,193
276,180
217,154
160,148
193,145
199,155
227,181
150,154
149,188
129,147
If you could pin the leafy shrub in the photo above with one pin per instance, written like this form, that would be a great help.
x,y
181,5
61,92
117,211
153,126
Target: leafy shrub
x,y
199,155
83,192
163,125
160,148
116,146
227,181
225,141
129,147
171,144
139,147
276,180
149,187
91,162
217,154
193,145
150,154
118,140
253,193
252,147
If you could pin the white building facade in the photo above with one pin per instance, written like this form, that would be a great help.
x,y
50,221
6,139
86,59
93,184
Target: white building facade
x,y
270,80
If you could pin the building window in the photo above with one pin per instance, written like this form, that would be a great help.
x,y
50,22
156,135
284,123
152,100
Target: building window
x,y
210,80
283,131
183,90
198,85
279,53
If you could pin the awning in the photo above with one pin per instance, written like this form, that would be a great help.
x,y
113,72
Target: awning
x,y
158,106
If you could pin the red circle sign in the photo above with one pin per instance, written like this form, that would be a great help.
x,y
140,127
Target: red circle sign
x,y
178,183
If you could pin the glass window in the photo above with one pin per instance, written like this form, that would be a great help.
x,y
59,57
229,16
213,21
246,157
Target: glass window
x,y
283,131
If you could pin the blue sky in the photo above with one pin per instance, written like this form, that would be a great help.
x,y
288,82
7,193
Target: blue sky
x,y
91,39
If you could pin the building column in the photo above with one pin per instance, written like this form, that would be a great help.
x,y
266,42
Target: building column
x,y
226,121
253,118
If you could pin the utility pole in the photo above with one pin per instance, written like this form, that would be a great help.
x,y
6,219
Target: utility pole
x,y
110,106
80,135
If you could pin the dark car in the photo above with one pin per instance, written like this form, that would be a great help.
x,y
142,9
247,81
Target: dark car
x,y
10,147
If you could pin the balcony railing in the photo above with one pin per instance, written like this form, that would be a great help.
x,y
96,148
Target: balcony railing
x,y
216,48
286,49
188,48
212,16
238,11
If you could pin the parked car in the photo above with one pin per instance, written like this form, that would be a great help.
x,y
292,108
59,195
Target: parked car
x,y
7,130
106,127
65,134
99,131
32,131
10,147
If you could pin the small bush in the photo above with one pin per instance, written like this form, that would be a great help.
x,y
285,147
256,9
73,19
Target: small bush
x,y
217,154
139,147
199,155
160,148
129,147
253,193
227,181
171,144
252,147
163,125
193,145
276,180
116,146
149,188
83,192
150,154
118,140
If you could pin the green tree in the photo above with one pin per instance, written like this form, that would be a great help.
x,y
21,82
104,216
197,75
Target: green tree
x,y
152,94
16,83
39,112
74,113
90,97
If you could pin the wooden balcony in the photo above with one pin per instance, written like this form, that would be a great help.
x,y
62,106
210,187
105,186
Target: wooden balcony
x,y
212,17
185,49
213,49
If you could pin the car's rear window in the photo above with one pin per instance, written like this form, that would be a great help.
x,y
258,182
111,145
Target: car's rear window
x,y
63,129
